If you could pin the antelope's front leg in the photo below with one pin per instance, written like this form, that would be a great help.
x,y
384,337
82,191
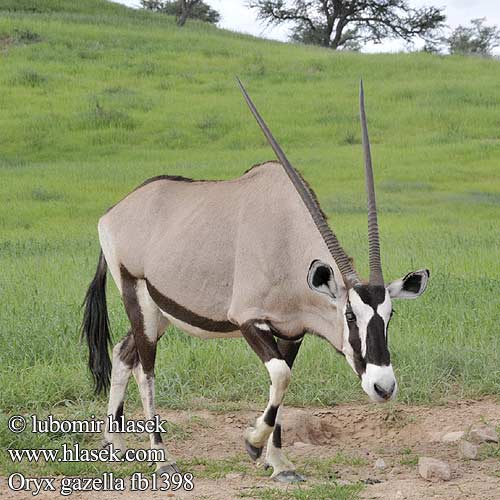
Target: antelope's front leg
x,y
260,338
283,469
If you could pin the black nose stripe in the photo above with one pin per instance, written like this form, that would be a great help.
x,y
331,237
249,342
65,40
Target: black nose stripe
x,y
376,342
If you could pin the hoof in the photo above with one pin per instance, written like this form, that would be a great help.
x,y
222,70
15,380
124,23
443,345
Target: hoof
x,y
253,451
289,476
168,469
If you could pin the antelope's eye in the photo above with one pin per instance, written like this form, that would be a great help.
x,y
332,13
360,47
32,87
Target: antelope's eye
x,y
350,316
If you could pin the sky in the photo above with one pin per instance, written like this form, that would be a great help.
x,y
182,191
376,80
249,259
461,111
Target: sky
x,y
237,17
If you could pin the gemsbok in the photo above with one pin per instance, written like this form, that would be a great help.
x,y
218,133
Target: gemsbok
x,y
251,257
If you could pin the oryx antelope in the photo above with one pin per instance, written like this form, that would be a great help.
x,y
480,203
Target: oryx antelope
x,y
251,257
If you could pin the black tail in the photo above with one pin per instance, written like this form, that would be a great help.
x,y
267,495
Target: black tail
x,y
95,328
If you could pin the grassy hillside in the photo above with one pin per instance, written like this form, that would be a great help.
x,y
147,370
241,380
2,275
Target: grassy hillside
x,y
94,98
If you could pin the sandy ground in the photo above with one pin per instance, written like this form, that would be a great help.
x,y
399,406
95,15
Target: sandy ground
x,y
343,442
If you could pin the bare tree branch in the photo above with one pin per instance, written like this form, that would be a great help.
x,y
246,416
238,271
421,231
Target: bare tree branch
x,y
336,23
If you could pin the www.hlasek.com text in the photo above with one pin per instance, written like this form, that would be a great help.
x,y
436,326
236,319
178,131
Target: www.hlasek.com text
x,y
75,453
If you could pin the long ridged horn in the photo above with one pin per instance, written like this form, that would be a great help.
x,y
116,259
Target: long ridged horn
x,y
376,277
342,260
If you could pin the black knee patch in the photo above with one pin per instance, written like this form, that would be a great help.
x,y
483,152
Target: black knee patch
x,y
119,415
128,351
270,416
157,438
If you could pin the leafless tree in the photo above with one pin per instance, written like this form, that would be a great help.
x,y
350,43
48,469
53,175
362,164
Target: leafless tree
x,y
349,23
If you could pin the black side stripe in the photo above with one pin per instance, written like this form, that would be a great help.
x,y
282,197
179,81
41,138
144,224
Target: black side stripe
x,y
186,316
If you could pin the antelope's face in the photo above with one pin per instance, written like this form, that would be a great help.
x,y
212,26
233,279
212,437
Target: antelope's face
x,y
366,313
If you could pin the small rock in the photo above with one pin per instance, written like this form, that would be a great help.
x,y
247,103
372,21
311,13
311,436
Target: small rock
x,y
399,495
483,434
453,437
433,470
380,464
300,444
435,437
343,482
467,450
234,475
371,480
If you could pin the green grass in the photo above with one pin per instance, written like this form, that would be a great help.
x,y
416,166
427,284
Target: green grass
x,y
324,468
217,469
96,97
323,491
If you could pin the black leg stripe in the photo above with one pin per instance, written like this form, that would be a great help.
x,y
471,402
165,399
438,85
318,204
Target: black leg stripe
x,y
270,415
157,438
277,436
119,415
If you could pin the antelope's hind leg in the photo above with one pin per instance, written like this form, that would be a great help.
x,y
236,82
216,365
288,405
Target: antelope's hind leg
x,y
261,339
124,359
147,326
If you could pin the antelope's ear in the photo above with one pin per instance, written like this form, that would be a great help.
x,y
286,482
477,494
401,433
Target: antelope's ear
x,y
411,286
320,279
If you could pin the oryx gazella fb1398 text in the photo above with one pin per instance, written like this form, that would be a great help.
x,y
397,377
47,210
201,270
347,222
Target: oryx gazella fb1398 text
x,y
251,257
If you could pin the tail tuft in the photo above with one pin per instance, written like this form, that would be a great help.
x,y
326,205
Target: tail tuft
x,y
95,328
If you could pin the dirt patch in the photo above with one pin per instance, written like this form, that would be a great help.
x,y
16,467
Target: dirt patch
x,y
302,426
341,443
5,42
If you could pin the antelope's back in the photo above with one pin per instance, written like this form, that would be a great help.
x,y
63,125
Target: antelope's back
x,y
212,246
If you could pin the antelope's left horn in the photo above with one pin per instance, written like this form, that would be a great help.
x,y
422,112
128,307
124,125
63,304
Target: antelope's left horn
x,y
376,277
349,274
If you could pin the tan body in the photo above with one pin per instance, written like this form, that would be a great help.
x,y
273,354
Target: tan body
x,y
231,250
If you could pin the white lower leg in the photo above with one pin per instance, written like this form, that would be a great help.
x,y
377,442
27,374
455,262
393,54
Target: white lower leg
x,y
280,378
146,389
120,375
274,454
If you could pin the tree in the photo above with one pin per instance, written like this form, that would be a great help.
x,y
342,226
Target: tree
x,y
183,10
476,39
349,23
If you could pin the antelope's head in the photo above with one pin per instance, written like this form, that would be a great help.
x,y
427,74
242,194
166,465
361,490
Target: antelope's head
x,y
365,308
